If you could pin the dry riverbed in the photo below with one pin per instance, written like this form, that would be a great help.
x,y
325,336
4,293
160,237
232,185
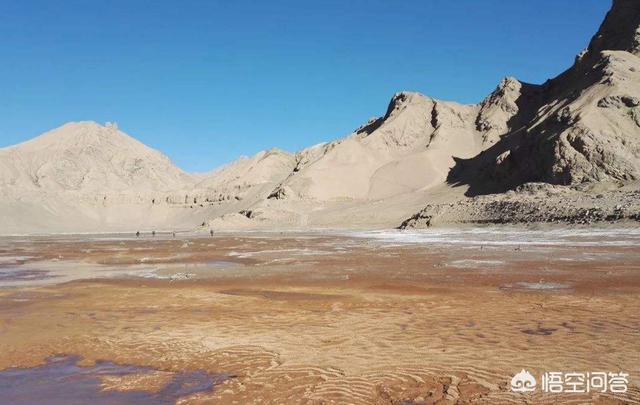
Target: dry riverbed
x,y
378,317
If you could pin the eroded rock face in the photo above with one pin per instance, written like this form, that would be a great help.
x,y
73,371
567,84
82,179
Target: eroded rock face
x,y
597,138
506,109
620,29
618,102
582,126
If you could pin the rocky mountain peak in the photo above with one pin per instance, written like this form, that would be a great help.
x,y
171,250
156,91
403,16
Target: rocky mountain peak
x,y
88,158
620,30
401,100
499,110
504,95
81,133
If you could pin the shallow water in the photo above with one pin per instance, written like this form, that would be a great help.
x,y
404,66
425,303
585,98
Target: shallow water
x,y
14,259
62,381
23,274
496,249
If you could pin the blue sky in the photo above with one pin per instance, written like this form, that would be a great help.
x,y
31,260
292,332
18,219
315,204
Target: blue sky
x,y
207,81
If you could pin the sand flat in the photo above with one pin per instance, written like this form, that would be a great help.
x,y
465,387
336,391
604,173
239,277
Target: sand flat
x,y
333,318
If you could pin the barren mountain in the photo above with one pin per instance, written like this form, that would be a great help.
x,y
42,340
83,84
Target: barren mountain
x,y
84,176
408,149
421,163
88,158
582,126
248,177
412,147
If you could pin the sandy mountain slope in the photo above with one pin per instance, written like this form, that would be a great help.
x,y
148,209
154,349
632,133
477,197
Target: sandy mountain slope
x,y
386,169
87,158
409,149
582,126
86,177
247,177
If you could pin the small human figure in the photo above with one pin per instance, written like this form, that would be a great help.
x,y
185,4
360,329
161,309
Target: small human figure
x,y
137,234
174,234
211,233
153,233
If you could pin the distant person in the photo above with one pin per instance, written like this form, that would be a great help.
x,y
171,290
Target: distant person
x,y
174,234
153,233
211,233
138,234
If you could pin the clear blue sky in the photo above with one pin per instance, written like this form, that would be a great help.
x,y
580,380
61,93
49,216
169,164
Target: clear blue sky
x,y
206,81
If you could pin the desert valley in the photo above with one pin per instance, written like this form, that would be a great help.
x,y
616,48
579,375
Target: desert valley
x,y
425,258
574,138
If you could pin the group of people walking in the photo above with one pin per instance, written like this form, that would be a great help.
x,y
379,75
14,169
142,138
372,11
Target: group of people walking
x,y
153,234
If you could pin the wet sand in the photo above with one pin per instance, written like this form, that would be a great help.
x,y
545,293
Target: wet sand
x,y
372,318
